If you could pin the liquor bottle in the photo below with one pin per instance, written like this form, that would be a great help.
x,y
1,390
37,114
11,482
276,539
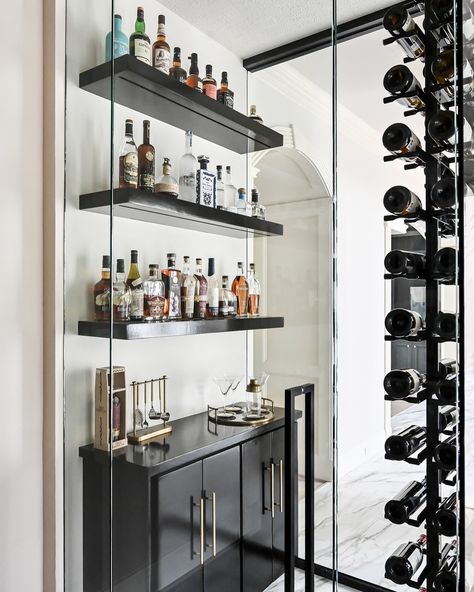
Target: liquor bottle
x,y
407,442
444,262
445,453
220,190
161,49
120,40
399,509
154,295
102,292
448,418
403,263
399,80
231,297
193,80
446,325
258,210
205,184
167,184
443,69
400,384
402,565
209,84
200,294
187,170
240,288
230,192
146,160
254,115
224,94
445,520
254,292
398,22
224,298
446,578
139,42
177,71
188,289
400,201
401,322
399,139
128,159
212,289
443,193
171,277
446,389
135,284
242,205
116,417
121,294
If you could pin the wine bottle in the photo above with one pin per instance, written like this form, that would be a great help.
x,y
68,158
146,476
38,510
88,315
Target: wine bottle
x,y
399,80
445,520
399,509
401,201
447,366
403,263
444,262
446,578
445,454
443,193
446,389
448,418
402,565
399,139
442,127
443,69
400,384
401,322
397,21
446,325
407,442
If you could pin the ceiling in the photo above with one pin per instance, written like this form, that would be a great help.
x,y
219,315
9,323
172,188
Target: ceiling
x,y
248,27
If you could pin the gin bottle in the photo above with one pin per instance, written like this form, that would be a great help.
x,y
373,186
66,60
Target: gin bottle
x,y
121,294
220,189
188,289
242,205
187,171
254,292
230,192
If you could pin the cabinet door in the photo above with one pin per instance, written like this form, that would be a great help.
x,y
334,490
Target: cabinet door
x,y
256,520
277,458
177,526
223,571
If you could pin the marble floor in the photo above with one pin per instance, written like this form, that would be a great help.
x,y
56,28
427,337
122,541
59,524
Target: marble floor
x,y
365,537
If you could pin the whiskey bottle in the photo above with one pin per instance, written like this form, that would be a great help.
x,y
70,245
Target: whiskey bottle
x,y
444,263
399,509
258,210
171,277
161,49
230,192
400,201
209,84
212,289
146,160
242,205
102,292
205,184
167,184
187,171
254,115
128,159
400,384
177,71
139,42
220,190
121,294
200,294
154,295
443,193
120,41
254,292
404,323
224,94
135,284
403,263
398,22
188,289
399,80
445,520
446,325
224,298
445,453
407,442
405,561
399,139
240,288
193,80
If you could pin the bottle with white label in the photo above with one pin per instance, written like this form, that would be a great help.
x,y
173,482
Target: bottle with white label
x,y
135,283
188,289
161,49
139,42
212,289
128,159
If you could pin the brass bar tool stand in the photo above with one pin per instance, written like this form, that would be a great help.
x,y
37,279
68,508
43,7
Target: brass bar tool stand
x,y
141,435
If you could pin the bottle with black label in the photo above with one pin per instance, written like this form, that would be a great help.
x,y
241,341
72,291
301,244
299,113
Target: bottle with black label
x,y
445,454
404,263
398,22
407,442
403,564
400,384
399,80
443,193
146,160
399,139
205,184
135,284
400,201
139,42
224,94
446,389
399,509
177,71
194,80
444,262
445,520
401,322
446,325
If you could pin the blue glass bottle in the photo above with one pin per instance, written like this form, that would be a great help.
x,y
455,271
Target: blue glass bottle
x,y
120,43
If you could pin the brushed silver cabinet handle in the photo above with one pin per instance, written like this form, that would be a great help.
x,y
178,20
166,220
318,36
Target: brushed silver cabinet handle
x,y
201,526
280,504
213,545
272,488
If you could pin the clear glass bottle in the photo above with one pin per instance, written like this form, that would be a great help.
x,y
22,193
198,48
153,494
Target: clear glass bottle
x,y
205,184
167,184
154,295
161,48
242,205
254,292
258,211
200,294
121,294
102,292
188,289
212,289
171,277
230,192
220,189
139,42
240,288
128,159
187,171
135,284
120,41
224,298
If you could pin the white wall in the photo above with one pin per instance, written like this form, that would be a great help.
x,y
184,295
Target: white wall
x,y
21,301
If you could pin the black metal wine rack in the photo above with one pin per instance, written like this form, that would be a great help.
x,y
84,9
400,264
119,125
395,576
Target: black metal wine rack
x,y
436,165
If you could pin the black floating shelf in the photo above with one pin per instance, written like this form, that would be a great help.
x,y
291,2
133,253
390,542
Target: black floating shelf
x,y
161,209
149,91
143,330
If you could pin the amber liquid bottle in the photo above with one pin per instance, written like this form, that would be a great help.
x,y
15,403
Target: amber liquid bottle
x,y
240,288
193,79
177,71
209,84
146,161
224,94
102,292
161,50
171,277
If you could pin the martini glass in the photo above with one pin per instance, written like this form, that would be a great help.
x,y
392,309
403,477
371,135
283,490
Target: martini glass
x,y
236,380
224,384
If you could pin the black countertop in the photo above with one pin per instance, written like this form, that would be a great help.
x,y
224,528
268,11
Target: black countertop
x,y
193,438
